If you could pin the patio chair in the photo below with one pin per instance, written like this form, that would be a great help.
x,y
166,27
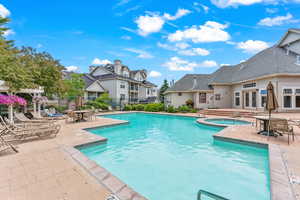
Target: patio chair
x,y
26,131
20,117
73,116
282,127
89,116
5,145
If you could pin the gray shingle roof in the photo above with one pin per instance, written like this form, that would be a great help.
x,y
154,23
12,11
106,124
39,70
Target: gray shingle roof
x,y
273,60
192,82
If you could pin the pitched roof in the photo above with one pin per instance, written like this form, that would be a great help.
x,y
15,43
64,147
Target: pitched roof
x,y
192,82
273,60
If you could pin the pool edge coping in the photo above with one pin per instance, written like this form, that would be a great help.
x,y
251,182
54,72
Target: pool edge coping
x,y
280,185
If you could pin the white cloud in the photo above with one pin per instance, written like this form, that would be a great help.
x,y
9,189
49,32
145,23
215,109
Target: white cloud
x,y
126,37
277,21
72,68
182,45
209,32
122,2
180,13
98,61
154,74
182,49
202,6
4,12
271,10
252,46
8,32
153,22
149,24
236,3
194,52
178,64
140,53
38,46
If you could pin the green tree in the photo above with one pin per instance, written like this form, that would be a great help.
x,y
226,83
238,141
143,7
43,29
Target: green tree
x,y
14,75
74,86
162,91
45,71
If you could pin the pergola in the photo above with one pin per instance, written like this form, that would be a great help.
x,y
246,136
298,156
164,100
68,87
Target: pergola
x,y
36,92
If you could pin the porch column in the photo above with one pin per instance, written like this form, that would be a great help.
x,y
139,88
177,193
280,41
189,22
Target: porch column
x,y
34,104
11,113
39,107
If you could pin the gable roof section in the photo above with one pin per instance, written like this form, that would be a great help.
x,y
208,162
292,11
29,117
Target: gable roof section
x,y
291,36
187,83
273,60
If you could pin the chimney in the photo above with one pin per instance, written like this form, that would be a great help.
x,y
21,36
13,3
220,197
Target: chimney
x,y
91,68
117,62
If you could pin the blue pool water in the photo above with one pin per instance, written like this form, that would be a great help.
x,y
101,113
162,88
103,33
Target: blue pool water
x,y
228,121
171,158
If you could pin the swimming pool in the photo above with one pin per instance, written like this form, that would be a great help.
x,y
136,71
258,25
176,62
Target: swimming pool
x,y
226,121
170,158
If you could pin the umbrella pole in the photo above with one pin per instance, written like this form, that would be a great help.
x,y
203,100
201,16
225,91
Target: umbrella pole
x,y
269,124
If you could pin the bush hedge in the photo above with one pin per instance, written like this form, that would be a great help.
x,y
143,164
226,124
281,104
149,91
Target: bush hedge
x,y
159,107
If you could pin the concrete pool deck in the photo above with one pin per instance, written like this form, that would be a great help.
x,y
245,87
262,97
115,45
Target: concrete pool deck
x,y
53,169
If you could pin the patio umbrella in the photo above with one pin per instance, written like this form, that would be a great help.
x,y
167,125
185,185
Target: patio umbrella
x,y
271,103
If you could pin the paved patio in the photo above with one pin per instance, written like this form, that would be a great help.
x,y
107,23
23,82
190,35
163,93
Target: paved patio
x,y
43,170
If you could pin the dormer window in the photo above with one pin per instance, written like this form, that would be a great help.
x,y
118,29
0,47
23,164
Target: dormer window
x,y
298,60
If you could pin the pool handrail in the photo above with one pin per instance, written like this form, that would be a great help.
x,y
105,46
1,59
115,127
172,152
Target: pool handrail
x,y
209,194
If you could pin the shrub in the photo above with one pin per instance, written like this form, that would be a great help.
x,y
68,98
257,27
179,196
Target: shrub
x,y
171,109
189,103
128,107
184,109
193,110
154,107
140,107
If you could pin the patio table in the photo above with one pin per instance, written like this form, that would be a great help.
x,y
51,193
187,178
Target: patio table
x,y
80,114
266,122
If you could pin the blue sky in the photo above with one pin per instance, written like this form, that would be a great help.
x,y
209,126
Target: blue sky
x,y
167,38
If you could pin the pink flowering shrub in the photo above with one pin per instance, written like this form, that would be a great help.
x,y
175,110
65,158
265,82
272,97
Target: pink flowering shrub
x,y
12,100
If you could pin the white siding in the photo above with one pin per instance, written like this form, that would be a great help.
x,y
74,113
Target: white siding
x,y
225,93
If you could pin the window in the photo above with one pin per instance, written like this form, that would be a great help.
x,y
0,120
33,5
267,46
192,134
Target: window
x,y
287,98
297,98
247,99
217,97
148,91
202,97
249,85
287,91
253,99
179,94
122,85
263,101
298,60
297,101
287,101
122,97
237,98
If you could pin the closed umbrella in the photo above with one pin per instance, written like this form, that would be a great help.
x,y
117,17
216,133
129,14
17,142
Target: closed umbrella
x,y
79,102
271,103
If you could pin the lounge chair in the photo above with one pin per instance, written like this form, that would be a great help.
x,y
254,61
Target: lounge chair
x,y
55,115
5,145
20,117
25,131
282,127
